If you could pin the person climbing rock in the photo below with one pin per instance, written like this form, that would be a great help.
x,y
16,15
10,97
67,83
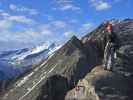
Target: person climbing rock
x,y
110,47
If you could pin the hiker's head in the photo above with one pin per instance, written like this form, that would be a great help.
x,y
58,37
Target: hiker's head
x,y
109,27
108,23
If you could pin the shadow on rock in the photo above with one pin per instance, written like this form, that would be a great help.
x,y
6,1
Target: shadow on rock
x,y
54,89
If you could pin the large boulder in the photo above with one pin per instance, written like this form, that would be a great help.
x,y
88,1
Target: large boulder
x,y
56,87
100,84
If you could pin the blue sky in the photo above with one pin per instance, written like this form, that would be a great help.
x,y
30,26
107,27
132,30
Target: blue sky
x,y
26,23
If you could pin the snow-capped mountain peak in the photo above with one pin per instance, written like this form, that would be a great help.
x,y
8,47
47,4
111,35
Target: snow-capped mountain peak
x,y
39,48
20,61
33,51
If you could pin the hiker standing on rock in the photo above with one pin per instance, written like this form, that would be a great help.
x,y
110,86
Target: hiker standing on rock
x,y
110,47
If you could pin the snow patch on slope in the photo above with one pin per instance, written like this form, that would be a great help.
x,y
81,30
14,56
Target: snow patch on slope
x,y
30,52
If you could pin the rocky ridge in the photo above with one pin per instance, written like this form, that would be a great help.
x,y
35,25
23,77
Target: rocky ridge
x,y
79,62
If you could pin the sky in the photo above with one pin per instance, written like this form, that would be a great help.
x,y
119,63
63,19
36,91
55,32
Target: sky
x,y
26,23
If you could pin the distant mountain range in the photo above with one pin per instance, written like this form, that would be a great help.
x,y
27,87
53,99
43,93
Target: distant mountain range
x,y
16,62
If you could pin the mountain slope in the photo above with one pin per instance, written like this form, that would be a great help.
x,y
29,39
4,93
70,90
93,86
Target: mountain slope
x,y
104,85
15,64
77,60
19,59
67,62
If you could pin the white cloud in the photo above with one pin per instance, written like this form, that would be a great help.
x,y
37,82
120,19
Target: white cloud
x,y
12,7
65,5
86,27
45,30
69,7
3,13
23,9
8,20
26,34
5,24
21,19
59,24
31,31
41,30
68,34
100,4
50,18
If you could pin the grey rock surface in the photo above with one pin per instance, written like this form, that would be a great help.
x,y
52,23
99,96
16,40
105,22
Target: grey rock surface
x,y
77,60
